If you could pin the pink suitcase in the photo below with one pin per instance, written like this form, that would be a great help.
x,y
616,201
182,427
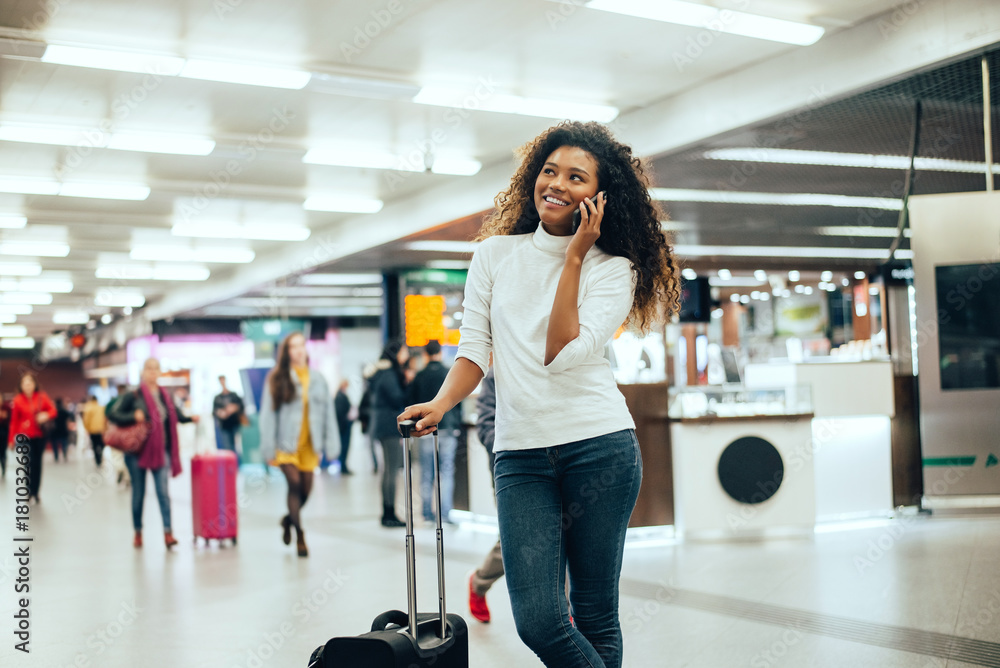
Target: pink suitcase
x,y
213,495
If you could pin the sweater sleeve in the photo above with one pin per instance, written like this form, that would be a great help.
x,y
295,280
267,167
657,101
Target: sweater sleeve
x,y
605,307
267,423
476,339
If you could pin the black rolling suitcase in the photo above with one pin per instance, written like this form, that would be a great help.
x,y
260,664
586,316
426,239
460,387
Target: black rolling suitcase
x,y
391,642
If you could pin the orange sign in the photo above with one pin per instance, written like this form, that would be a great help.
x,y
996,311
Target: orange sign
x,y
424,319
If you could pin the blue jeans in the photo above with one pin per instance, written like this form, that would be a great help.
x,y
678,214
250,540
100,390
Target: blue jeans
x,y
160,478
568,505
227,441
448,444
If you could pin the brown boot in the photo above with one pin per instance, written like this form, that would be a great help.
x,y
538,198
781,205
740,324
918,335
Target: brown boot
x,y
137,541
168,539
286,525
300,544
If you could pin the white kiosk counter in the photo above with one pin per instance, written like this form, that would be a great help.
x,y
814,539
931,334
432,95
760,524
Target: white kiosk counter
x,y
851,431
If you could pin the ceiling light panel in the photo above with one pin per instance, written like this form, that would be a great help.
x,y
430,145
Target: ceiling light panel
x,y
166,253
725,20
343,204
253,231
25,343
836,159
250,75
340,279
779,199
441,96
121,61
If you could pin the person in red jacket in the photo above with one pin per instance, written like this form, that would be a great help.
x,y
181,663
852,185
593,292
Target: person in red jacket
x,y
30,411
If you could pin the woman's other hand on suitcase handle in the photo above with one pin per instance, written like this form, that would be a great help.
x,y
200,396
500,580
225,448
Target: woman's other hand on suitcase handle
x,y
427,416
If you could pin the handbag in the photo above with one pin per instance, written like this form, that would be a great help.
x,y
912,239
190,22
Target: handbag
x,y
128,439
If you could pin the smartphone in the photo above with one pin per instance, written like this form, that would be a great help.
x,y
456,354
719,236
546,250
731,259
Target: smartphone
x,y
577,216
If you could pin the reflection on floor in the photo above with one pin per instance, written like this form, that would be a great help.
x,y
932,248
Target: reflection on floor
x,y
914,592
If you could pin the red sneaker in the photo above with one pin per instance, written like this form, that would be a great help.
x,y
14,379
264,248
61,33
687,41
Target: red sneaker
x,y
477,605
137,541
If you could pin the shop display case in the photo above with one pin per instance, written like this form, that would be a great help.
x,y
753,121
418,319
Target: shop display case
x,y
710,403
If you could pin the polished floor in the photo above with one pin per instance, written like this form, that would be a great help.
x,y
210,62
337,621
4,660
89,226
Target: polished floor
x,y
915,592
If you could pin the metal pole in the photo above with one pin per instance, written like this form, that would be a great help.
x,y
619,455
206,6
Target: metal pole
x,y
987,124
443,630
411,557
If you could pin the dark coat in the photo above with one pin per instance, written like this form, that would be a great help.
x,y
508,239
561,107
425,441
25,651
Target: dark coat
x,y
388,401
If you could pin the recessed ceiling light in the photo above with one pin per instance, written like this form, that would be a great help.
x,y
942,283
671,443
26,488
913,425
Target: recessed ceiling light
x,y
459,98
340,279
20,268
116,297
826,276
860,275
776,199
26,343
760,275
70,317
12,222
13,331
725,274
36,298
121,61
188,254
794,276
35,248
343,203
246,74
689,273
782,251
717,20
232,230
834,159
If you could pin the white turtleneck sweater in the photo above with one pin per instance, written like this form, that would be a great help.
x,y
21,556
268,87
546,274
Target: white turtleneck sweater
x,y
508,300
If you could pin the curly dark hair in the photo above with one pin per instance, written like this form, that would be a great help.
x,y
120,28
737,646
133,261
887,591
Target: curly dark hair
x,y
631,225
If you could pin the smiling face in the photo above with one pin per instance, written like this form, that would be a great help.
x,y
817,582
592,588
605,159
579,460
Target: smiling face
x,y
567,177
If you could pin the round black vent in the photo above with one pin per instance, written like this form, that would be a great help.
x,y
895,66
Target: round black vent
x,y
751,470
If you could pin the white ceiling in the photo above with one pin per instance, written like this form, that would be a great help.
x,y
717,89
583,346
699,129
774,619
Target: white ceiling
x,y
527,47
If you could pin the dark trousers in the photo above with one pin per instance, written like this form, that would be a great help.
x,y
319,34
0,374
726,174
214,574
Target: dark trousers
x,y
36,448
345,445
97,442
59,444
4,435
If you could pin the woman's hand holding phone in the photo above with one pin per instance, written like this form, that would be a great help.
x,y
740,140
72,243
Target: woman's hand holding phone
x,y
587,225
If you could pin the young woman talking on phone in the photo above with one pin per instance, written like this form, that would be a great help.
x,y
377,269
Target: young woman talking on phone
x,y
545,300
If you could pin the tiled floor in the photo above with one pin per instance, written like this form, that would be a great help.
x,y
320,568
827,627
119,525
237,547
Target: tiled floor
x,y
95,601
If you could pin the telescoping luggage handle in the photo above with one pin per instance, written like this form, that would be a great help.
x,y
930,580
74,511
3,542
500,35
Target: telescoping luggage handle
x,y
405,427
